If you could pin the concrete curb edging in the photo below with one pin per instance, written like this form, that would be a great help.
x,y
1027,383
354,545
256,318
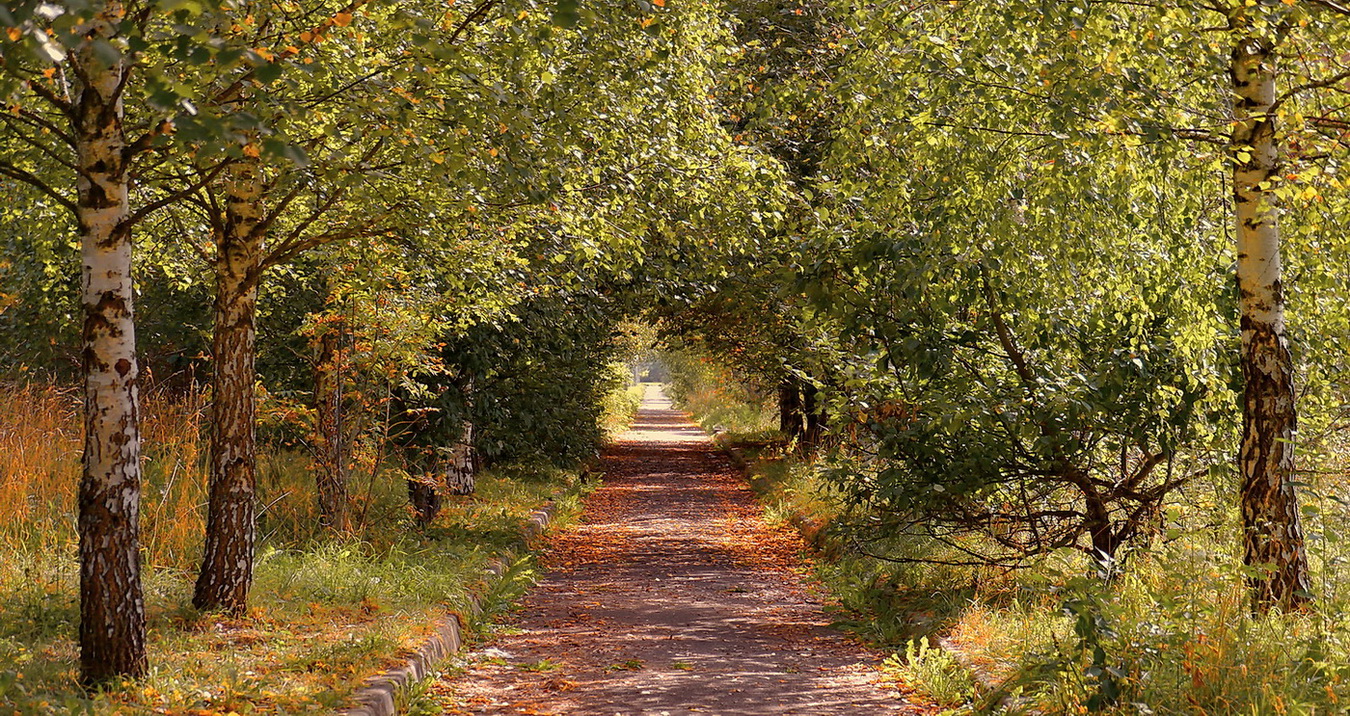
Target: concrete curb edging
x,y
378,695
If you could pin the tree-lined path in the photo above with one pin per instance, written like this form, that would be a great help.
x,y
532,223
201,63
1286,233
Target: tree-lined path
x,y
673,596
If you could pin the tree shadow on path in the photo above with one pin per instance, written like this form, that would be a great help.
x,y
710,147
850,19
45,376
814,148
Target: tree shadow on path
x,y
672,596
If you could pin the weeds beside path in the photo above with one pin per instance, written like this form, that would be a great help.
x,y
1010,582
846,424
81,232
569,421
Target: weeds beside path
x,y
673,596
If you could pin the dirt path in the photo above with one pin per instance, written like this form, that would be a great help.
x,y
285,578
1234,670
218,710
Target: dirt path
x,y
672,597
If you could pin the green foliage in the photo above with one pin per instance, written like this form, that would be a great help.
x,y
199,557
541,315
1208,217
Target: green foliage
x,y
994,236
932,672
704,387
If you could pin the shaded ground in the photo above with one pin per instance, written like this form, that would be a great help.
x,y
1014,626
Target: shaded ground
x,y
672,596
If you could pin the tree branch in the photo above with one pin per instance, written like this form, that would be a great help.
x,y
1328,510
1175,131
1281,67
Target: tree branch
x,y
167,199
14,172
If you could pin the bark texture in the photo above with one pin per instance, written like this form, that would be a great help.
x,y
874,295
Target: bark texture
x,y
227,563
330,468
461,459
425,501
790,420
1272,535
800,417
460,464
112,610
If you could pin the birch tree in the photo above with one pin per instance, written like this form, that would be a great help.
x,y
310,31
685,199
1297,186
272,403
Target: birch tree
x,y
112,609
978,104
1266,37
68,70
1272,530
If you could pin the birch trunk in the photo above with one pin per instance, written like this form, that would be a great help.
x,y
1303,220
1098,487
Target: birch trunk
x,y
227,563
1272,535
112,610
461,465
330,469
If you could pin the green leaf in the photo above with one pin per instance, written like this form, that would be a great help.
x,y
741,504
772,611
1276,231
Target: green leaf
x,y
567,13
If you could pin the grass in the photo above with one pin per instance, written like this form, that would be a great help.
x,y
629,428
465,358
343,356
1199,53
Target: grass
x,y
325,612
542,666
629,665
932,672
1171,635
720,403
621,407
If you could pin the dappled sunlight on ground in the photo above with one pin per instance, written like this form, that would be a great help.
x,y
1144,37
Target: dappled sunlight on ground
x,y
672,596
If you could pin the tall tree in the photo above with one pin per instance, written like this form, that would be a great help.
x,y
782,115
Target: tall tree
x,y
226,573
112,609
1272,533
73,64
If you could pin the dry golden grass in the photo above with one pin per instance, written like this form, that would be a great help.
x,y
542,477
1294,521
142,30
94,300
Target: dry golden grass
x,y
40,444
326,611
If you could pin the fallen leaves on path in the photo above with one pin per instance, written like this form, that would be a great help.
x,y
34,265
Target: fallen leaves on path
x,y
672,596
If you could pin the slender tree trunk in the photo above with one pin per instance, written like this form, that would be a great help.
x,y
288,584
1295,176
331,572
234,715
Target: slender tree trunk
x,y
816,422
227,564
112,610
1272,535
461,467
790,420
330,468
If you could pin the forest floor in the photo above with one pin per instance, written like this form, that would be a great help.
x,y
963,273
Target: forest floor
x,y
672,596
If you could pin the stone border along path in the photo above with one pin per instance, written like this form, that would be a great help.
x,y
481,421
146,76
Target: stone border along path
x,y
672,596
378,695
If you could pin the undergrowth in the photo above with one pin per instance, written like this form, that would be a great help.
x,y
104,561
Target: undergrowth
x,y
1169,633
325,611
718,402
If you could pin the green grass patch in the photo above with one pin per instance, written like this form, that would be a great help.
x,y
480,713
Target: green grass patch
x,y
324,614
1171,634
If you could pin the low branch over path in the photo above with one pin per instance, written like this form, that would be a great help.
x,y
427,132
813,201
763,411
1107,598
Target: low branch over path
x,y
673,596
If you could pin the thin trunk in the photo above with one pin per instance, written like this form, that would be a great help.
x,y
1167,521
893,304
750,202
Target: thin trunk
x,y
461,466
330,468
112,610
1272,535
227,564
814,431
790,420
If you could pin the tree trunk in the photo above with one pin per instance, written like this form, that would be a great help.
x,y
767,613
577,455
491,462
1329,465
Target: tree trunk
x,y
425,500
790,420
330,473
814,431
112,610
1272,535
461,467
227,564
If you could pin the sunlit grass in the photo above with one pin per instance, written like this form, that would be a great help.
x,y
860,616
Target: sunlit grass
x,y
325,611
1172,634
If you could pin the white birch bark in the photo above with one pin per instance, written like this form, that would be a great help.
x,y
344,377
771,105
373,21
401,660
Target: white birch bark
x,y
112,611
1272,534
461,463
